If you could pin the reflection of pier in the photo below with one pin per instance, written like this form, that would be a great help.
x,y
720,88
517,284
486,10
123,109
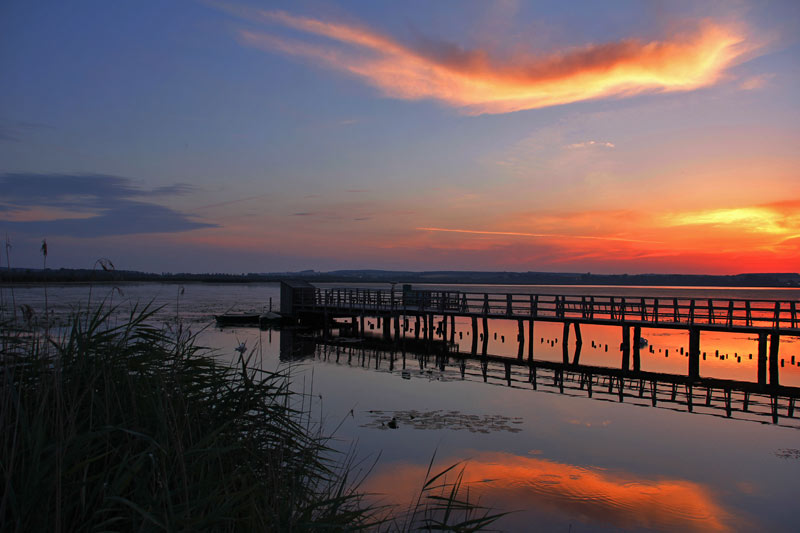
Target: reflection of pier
x,y
739,399
768,319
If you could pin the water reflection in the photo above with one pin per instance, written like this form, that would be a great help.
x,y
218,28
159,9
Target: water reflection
x,y
434,360
569,493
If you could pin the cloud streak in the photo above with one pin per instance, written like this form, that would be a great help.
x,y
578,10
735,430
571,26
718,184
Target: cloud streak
x,y
523,234
88,206
477,82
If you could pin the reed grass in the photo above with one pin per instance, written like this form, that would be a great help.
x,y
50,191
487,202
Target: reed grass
x,y
114,424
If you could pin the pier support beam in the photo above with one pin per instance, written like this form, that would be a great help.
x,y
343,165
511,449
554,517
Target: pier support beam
x,y
355,326
387,328
474,335
485,335
694,353
397,326
452,328
762,359
520,338
637,348
626,347
530,340
578,344
565,344
774,340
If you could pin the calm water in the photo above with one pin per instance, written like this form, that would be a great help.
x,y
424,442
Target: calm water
x,y
563,462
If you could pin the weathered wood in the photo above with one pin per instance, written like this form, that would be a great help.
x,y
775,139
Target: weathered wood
x,y
774,342
530,340
694,353
626,347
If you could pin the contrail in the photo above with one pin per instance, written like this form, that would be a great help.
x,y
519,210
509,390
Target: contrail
x,y
229,202
522,234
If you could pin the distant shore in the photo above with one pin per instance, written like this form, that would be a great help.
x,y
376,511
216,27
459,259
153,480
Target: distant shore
x,y
67,275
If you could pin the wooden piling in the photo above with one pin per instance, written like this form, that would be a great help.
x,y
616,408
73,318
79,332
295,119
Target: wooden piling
x,y
637,349
694,353
474,335
530,340
485,334
762,359
626,347
774,341
565,344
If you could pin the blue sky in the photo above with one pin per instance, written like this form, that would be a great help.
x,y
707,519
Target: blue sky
x,y
615,136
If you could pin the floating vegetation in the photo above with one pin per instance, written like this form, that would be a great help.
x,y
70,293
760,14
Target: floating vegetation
x,y
787,453
441,419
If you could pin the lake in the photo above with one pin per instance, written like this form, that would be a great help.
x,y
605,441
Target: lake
x,y
560,461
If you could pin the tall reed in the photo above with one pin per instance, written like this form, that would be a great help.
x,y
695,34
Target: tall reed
x,y
123,427
116,424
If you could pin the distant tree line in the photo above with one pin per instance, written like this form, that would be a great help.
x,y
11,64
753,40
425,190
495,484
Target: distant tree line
x,y
97,275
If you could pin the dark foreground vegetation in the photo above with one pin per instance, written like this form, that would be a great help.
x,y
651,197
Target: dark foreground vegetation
x,y
115,424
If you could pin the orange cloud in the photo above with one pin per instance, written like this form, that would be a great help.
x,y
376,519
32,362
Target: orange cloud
x,y
476,82
521,483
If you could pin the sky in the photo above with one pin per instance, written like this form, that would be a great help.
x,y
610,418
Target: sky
x,y
215,136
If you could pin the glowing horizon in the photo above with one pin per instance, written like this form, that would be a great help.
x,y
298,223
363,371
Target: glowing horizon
x,y
225,136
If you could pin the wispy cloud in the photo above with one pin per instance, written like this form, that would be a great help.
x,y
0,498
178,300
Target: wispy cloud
x,y
88,206
524,234
587,144
755,82
478,81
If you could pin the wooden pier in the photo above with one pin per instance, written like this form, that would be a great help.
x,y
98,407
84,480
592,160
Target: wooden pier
x,y
767,319
721,397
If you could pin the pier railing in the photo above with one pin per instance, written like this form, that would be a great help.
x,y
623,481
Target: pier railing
x,y
649,311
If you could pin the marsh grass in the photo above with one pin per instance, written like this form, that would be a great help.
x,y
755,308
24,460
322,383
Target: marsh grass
x,y
112,423
123,427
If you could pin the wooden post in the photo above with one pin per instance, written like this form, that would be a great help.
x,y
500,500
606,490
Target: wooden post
x,y
565,344
452,328
485,334
521,337
474,335
626,347
578,344
530,340
694,353
637,349
397,326
387,328
762,359
774,341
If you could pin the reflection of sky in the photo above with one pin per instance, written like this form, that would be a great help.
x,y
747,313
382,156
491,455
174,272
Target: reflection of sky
x,y
711,466
554,492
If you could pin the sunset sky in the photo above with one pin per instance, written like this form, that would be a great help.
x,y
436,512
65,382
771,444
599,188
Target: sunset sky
x,y
608,137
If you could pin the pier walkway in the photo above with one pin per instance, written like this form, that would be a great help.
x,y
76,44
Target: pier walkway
x,y
766,319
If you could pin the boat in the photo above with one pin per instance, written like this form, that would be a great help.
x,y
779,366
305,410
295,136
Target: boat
x,y
238,319
249,319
